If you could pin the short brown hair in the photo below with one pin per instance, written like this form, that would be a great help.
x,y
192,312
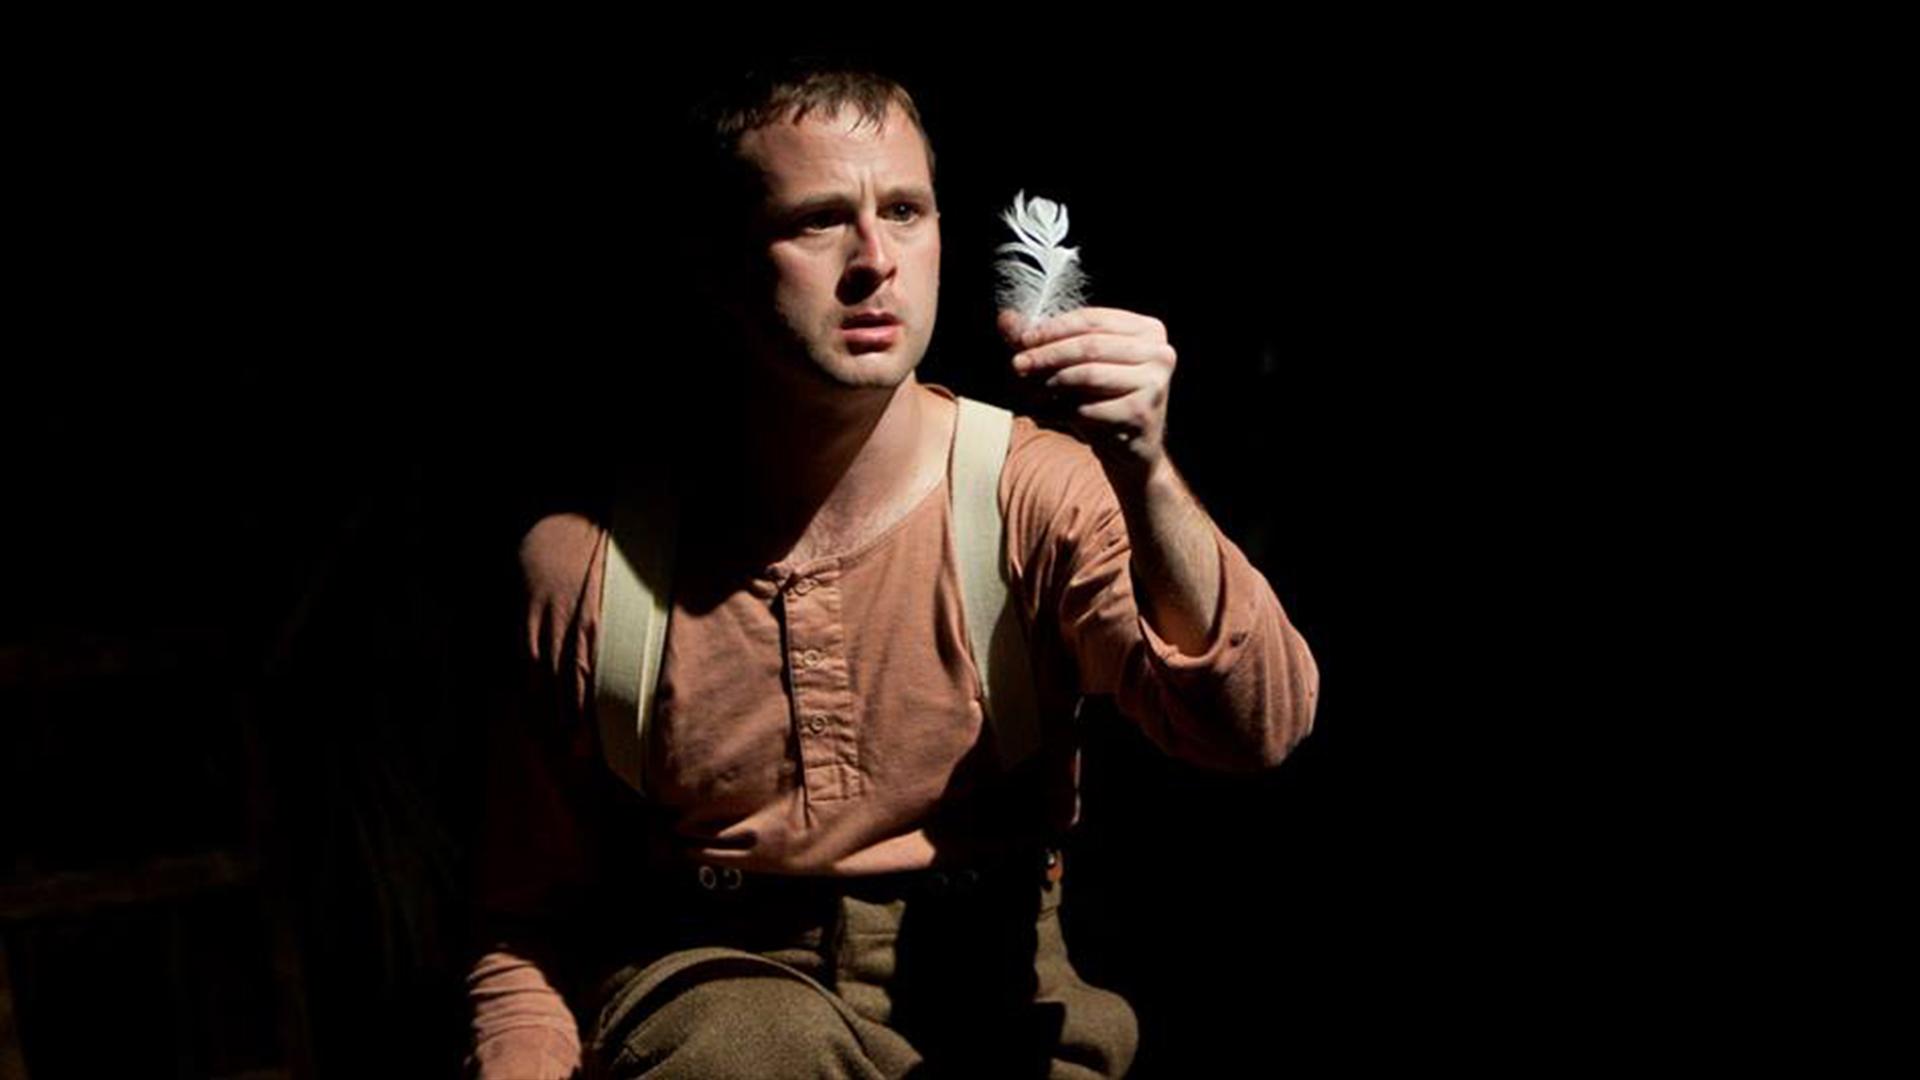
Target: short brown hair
x,y
793,89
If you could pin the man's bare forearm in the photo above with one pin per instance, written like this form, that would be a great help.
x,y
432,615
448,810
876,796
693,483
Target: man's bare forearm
x,y
1176,562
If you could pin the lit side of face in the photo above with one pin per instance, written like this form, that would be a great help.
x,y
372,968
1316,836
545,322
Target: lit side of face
x,y
849,245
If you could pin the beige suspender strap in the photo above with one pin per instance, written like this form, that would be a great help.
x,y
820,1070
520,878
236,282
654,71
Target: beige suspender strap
x,y
994,632
636,587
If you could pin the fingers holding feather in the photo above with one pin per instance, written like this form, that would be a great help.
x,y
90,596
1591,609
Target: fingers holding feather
x,y
1085,348
1100,381
1108,403
1012,326
1087,320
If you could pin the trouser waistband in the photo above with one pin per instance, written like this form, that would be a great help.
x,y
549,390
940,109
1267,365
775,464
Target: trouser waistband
x,y
719,883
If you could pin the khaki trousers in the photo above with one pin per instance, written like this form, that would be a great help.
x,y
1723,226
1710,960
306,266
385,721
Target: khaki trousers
x,y
950,973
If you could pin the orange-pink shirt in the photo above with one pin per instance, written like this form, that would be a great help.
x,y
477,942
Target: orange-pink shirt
x,y
824,717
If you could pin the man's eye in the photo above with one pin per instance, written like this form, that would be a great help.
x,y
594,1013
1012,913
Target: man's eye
x,y
818,222
904,211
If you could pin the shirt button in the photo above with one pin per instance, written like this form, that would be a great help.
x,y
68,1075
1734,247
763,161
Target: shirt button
x,y
817,723
803,586
809,657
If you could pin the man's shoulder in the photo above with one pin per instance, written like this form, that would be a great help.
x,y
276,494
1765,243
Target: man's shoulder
x,y
560,562
1047,446
1054,497
555,548
1049,467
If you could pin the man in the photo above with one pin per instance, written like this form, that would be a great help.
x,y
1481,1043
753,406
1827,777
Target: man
x,y
833,871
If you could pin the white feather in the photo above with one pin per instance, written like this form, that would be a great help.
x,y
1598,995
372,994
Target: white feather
x,y
1039,277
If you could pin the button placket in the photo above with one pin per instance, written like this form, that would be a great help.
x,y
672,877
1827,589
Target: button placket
x,y
821,691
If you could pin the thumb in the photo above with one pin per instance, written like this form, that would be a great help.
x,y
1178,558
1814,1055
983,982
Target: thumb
x,y
1012,324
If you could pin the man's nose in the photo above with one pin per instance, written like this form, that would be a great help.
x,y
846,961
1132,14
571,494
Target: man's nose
x,y
872,258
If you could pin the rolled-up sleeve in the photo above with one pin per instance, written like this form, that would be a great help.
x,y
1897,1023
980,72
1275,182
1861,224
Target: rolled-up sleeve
x,y
521,1025
530,858
1240,704
539,850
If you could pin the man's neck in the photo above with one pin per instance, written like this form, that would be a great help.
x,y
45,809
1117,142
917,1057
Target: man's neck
x,y
822,472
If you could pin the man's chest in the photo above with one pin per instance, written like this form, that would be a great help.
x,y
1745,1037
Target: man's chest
x,y
839,671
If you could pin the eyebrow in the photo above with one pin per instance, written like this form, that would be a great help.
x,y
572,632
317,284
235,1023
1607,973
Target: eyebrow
x,y
840,200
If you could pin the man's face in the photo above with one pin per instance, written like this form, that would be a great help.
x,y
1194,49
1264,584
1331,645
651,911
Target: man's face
x,y
849,246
